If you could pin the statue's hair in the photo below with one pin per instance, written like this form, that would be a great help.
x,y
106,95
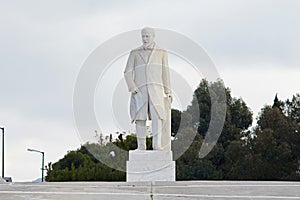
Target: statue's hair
x,y
148,29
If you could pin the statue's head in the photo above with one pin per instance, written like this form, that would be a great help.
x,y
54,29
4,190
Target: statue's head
x,y
148,35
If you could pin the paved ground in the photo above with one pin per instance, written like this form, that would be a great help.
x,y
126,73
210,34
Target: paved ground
x,y
184,190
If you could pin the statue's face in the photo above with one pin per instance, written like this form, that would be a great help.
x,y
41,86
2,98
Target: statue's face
x,y
147,37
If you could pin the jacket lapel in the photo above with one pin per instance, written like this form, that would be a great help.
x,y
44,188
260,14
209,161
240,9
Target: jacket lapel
x,y
151,54
143,55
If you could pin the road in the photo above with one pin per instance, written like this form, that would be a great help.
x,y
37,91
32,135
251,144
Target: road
x,y
183,190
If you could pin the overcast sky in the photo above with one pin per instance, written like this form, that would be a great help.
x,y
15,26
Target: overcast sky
x,y
254,44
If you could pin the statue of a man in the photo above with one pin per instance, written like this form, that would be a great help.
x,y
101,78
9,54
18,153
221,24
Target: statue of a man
x,y
147,78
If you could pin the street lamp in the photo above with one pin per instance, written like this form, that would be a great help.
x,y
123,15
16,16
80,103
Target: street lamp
x,y
43,157
2,128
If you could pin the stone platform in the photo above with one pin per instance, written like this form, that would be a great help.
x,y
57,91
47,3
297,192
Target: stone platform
x,y
150,166
179,190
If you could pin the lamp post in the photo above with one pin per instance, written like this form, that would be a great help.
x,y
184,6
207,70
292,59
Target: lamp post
x,y
2,128
43,157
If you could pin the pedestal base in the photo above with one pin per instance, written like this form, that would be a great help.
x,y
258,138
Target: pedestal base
x,y
150,166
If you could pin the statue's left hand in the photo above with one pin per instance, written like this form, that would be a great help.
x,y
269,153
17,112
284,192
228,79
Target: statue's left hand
x,y
170,98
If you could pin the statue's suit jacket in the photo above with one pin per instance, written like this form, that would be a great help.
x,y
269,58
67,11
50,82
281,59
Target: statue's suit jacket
x,y
151,76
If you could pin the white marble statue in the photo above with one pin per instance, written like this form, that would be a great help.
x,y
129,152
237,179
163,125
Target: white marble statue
x,y
147,78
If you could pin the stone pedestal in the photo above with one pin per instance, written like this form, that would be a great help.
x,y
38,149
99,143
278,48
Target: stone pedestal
x,y
150,166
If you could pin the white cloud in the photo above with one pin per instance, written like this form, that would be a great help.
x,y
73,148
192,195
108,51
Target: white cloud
x,y
257,86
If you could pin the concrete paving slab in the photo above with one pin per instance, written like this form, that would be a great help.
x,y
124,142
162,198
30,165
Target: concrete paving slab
x,y
180,190
2,181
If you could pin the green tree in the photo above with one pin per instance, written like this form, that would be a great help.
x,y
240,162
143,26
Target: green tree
x,y
81,165
284,148
238,120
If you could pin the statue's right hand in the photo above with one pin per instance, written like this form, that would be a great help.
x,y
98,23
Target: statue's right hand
x,y
136,90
